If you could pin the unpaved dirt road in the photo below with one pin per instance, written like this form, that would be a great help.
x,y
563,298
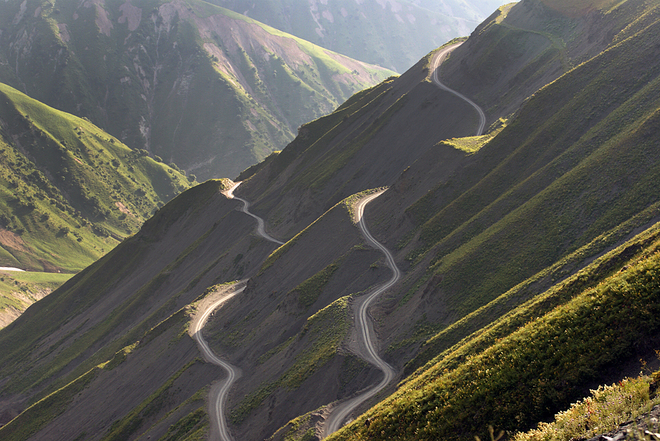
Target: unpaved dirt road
x,y
219,391
261,229
339,414
435,64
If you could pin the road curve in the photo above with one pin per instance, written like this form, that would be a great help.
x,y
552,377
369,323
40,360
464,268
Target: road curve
x,y
341,412
261,229
218,395
435,64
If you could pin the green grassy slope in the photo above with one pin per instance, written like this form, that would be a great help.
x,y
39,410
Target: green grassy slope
x,y
570,177
529,364
175,79
69,192
561,183
18,290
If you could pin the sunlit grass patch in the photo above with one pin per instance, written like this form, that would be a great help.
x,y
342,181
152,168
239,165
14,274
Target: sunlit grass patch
x,y
603,411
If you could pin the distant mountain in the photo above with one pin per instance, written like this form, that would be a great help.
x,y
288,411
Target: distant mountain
x,y
393,34
198,85
528,257
466,9
69,192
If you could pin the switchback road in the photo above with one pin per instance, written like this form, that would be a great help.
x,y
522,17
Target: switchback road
x,y
435,65
219,391
339,414
261,230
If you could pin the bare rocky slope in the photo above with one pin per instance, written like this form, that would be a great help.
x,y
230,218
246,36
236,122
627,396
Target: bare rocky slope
x,y
508,243
197,85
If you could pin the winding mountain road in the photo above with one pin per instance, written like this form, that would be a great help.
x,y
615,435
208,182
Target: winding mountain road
x,y
219,391
261,229
367,349
218,394
435,63
339,414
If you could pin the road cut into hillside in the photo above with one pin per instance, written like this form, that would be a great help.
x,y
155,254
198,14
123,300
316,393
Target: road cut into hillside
x,y
367,344
261,229
220,390
435,67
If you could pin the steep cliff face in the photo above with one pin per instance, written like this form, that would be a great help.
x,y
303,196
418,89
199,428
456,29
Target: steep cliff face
x,y
198,85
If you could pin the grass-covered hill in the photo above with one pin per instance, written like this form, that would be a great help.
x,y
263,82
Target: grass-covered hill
x,y
201,86
391,34
529,261
69,192
513,323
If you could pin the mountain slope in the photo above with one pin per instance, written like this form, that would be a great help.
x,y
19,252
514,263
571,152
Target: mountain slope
x,y
200,86
69,192
123,298
390,34
508,243
533,177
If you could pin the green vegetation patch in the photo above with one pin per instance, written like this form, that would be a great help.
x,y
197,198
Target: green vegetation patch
x,y
528,375
571,283
19,289
193,426
310,290
603,411
69,192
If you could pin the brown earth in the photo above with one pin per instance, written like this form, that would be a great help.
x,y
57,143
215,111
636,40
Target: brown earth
x,y
12,240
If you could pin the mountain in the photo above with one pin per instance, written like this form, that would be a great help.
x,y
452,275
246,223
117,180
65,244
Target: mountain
x,y
69,193
195,84
528,257
394,34
467,9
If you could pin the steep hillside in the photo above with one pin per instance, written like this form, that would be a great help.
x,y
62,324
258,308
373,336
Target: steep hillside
x,y
134,293
563,180
391,34
69,192
197,85
535,360
528,259
327,162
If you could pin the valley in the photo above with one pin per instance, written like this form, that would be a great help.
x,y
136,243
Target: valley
x,y
472,244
